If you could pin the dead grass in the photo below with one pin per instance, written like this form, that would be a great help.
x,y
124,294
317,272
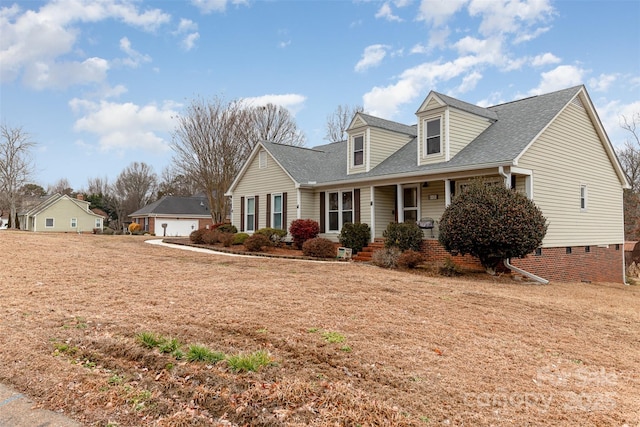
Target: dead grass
x,y
418,350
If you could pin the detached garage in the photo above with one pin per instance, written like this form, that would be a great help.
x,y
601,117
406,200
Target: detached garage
x,y
173,216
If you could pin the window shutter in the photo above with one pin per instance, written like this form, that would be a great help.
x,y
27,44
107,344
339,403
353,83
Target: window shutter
x,y
268,215
323,202
241,213
356,205
257,215
284,211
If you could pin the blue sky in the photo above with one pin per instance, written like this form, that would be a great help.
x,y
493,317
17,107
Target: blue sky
x,y
97,83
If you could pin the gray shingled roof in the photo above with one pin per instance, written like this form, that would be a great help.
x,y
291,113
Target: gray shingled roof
x,y
377,122
174,205
516,124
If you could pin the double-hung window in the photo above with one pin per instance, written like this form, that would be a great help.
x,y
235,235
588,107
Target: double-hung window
x,y
74,222
250,214
340,210
48,222
358,150
410,204
276,214
432,139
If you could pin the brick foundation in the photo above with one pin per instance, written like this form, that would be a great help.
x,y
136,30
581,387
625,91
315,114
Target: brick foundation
x,y
598,264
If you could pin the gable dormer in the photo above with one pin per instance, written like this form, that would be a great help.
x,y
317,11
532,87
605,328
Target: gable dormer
x,y
371,140
446,125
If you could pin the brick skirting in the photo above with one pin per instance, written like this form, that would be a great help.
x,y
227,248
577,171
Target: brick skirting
x,y
583,264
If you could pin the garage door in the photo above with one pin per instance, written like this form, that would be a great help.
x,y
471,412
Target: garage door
x,y
175,227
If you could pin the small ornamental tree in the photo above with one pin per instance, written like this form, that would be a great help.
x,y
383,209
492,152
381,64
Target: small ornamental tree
x,y
302,230
491,223
355,236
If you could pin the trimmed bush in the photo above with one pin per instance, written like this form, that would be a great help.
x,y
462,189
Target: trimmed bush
x,y
410,259
196,236
226,239
491,223
239,238
386,258
108,230
302,230
211,237
404,236
227,228
355,236
257,243
134,227
319,247
275,235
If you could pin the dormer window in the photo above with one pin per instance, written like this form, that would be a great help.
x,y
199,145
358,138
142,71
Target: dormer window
x,y
432,139
358,150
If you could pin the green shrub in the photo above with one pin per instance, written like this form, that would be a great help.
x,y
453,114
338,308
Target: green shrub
x,y
257,243
355,236
239,238
196,236
386,258
249,362
199,353
410,259
491,223
275,235
319,247
302,230
227,228
226,239
404,236
450,268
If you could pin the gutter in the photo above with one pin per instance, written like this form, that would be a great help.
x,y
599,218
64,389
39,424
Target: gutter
x,y
524,273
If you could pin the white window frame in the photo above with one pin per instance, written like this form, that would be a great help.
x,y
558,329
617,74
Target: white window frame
x,y
354,151
74,222
415,208
262,159
584,197
274,212
98,222
340,209
425,145
53,223
250,225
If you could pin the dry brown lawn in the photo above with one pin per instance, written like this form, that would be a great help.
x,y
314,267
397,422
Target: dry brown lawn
x,y
418,350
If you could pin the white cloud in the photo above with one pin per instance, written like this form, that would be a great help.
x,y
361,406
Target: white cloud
x,y
134,58
560,77
419,49
208,6
545,59
371,57
385,12
125,126
602,82
191,28
33,41
438,12
189,41
611,114
525,37
291,101
186,25
509,16
469,82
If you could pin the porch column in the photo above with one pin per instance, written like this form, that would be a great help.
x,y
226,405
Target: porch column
x,y
372,206
447,192
400,202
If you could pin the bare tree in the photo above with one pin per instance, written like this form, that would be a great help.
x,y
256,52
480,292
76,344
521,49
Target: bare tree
x,y
62,186
275,124
339,121
16,165
174,183
134,188
629,156
210,144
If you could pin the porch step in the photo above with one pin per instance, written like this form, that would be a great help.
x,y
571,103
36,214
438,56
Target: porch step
x,y
367,252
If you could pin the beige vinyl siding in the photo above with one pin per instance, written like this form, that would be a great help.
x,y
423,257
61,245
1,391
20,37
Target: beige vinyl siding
x,y
365,205
260,182
383,143
432,104
567,155
62,211
463,128
309,205
385,204
432,208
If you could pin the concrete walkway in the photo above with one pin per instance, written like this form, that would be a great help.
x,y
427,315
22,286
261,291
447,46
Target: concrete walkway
x,y
17,410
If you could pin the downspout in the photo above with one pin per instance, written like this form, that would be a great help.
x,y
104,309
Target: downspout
x,y
506,261
524,273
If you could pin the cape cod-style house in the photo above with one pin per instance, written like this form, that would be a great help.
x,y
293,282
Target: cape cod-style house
x,y
551,147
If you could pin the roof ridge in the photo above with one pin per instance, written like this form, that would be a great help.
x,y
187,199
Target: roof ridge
x,y
535,96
